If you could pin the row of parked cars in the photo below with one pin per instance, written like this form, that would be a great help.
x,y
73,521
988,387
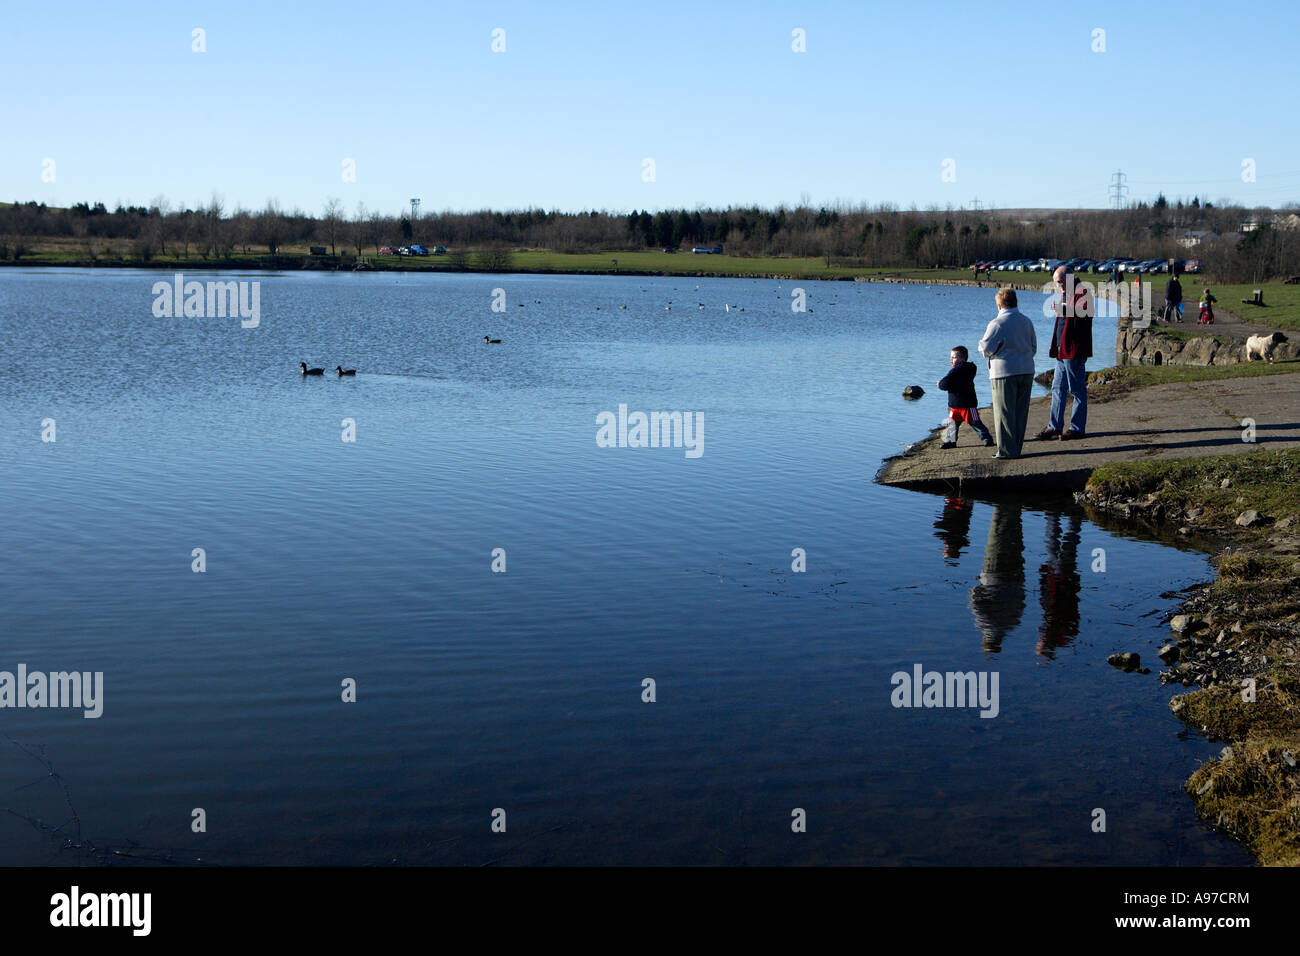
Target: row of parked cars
x,y
1122,263
413,250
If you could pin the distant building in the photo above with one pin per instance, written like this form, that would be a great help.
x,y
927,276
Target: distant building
x,y
1194,237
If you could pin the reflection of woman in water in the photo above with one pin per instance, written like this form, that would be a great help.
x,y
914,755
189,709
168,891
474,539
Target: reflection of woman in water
x,y
998,601
953,527
1058,584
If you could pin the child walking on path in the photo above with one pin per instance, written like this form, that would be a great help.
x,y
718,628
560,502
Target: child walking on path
x,y
962,404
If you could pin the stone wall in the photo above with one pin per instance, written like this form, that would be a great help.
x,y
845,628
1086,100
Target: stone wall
x,y
1155,346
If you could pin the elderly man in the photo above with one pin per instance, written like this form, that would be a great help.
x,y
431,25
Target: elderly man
x,y
1071,347
1009,344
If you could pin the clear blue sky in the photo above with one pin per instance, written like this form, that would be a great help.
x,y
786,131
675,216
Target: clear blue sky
x,y
711,91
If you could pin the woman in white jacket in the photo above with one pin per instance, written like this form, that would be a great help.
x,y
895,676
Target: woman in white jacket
x,y
1009,344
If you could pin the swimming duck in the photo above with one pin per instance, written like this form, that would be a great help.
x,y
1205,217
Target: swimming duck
x,y
311,371
490,341
344,371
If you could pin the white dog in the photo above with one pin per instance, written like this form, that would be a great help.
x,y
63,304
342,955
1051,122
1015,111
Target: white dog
x,y
1263,346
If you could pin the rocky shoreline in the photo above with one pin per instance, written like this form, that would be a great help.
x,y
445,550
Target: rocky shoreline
x,y
1236,639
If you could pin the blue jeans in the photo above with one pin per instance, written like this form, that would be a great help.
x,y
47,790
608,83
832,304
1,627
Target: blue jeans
x,y
1071,376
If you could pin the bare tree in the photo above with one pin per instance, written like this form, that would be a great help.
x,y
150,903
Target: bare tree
x,y
357,228
271,227
332,220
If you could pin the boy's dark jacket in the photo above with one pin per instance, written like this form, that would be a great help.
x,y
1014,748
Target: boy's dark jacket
x,y
960,383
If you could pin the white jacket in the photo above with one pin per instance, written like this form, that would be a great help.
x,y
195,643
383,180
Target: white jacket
x,y
1009,344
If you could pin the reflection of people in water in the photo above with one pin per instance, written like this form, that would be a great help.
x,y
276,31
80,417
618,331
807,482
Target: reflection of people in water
x,y
953,527
1058,584
998,601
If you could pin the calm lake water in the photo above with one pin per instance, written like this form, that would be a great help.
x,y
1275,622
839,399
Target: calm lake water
x,y
371,560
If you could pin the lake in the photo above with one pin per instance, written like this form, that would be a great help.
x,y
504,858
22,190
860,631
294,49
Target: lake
x,y
330,564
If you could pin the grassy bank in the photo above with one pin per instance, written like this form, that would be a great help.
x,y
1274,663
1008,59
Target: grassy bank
x,y
1110,382
1238,639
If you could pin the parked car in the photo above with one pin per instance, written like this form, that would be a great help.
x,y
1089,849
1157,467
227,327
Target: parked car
x,y
388,251
403,251
419,250
439,250
1086,265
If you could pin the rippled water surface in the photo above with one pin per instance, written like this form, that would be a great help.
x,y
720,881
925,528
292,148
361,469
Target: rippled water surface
x,y
371,560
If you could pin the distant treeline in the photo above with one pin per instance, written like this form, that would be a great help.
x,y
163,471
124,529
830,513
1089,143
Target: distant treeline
x,y
1238,244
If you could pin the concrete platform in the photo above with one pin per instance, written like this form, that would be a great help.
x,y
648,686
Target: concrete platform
x,y
1184,420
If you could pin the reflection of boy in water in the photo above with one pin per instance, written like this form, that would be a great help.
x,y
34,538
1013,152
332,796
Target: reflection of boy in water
x,y
953,527
1059,584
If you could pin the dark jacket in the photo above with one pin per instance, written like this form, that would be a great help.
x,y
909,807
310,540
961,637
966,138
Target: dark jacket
x,y
1173,291
1072,333
960,383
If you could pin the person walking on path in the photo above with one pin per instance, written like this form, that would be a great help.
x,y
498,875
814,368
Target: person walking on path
x,y
1009,344
1173,299
1071,347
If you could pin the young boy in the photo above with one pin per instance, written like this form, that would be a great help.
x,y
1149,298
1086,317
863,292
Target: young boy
x,y
962,404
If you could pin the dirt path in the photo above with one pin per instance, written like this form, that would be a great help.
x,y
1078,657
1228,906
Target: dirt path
x,y
1182,420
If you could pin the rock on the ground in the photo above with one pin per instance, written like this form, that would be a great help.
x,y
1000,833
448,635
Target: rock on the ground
x,y
1250,518
1169,653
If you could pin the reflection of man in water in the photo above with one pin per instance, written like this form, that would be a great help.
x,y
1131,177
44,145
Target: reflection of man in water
x,y
953,527
998,601
1058,584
